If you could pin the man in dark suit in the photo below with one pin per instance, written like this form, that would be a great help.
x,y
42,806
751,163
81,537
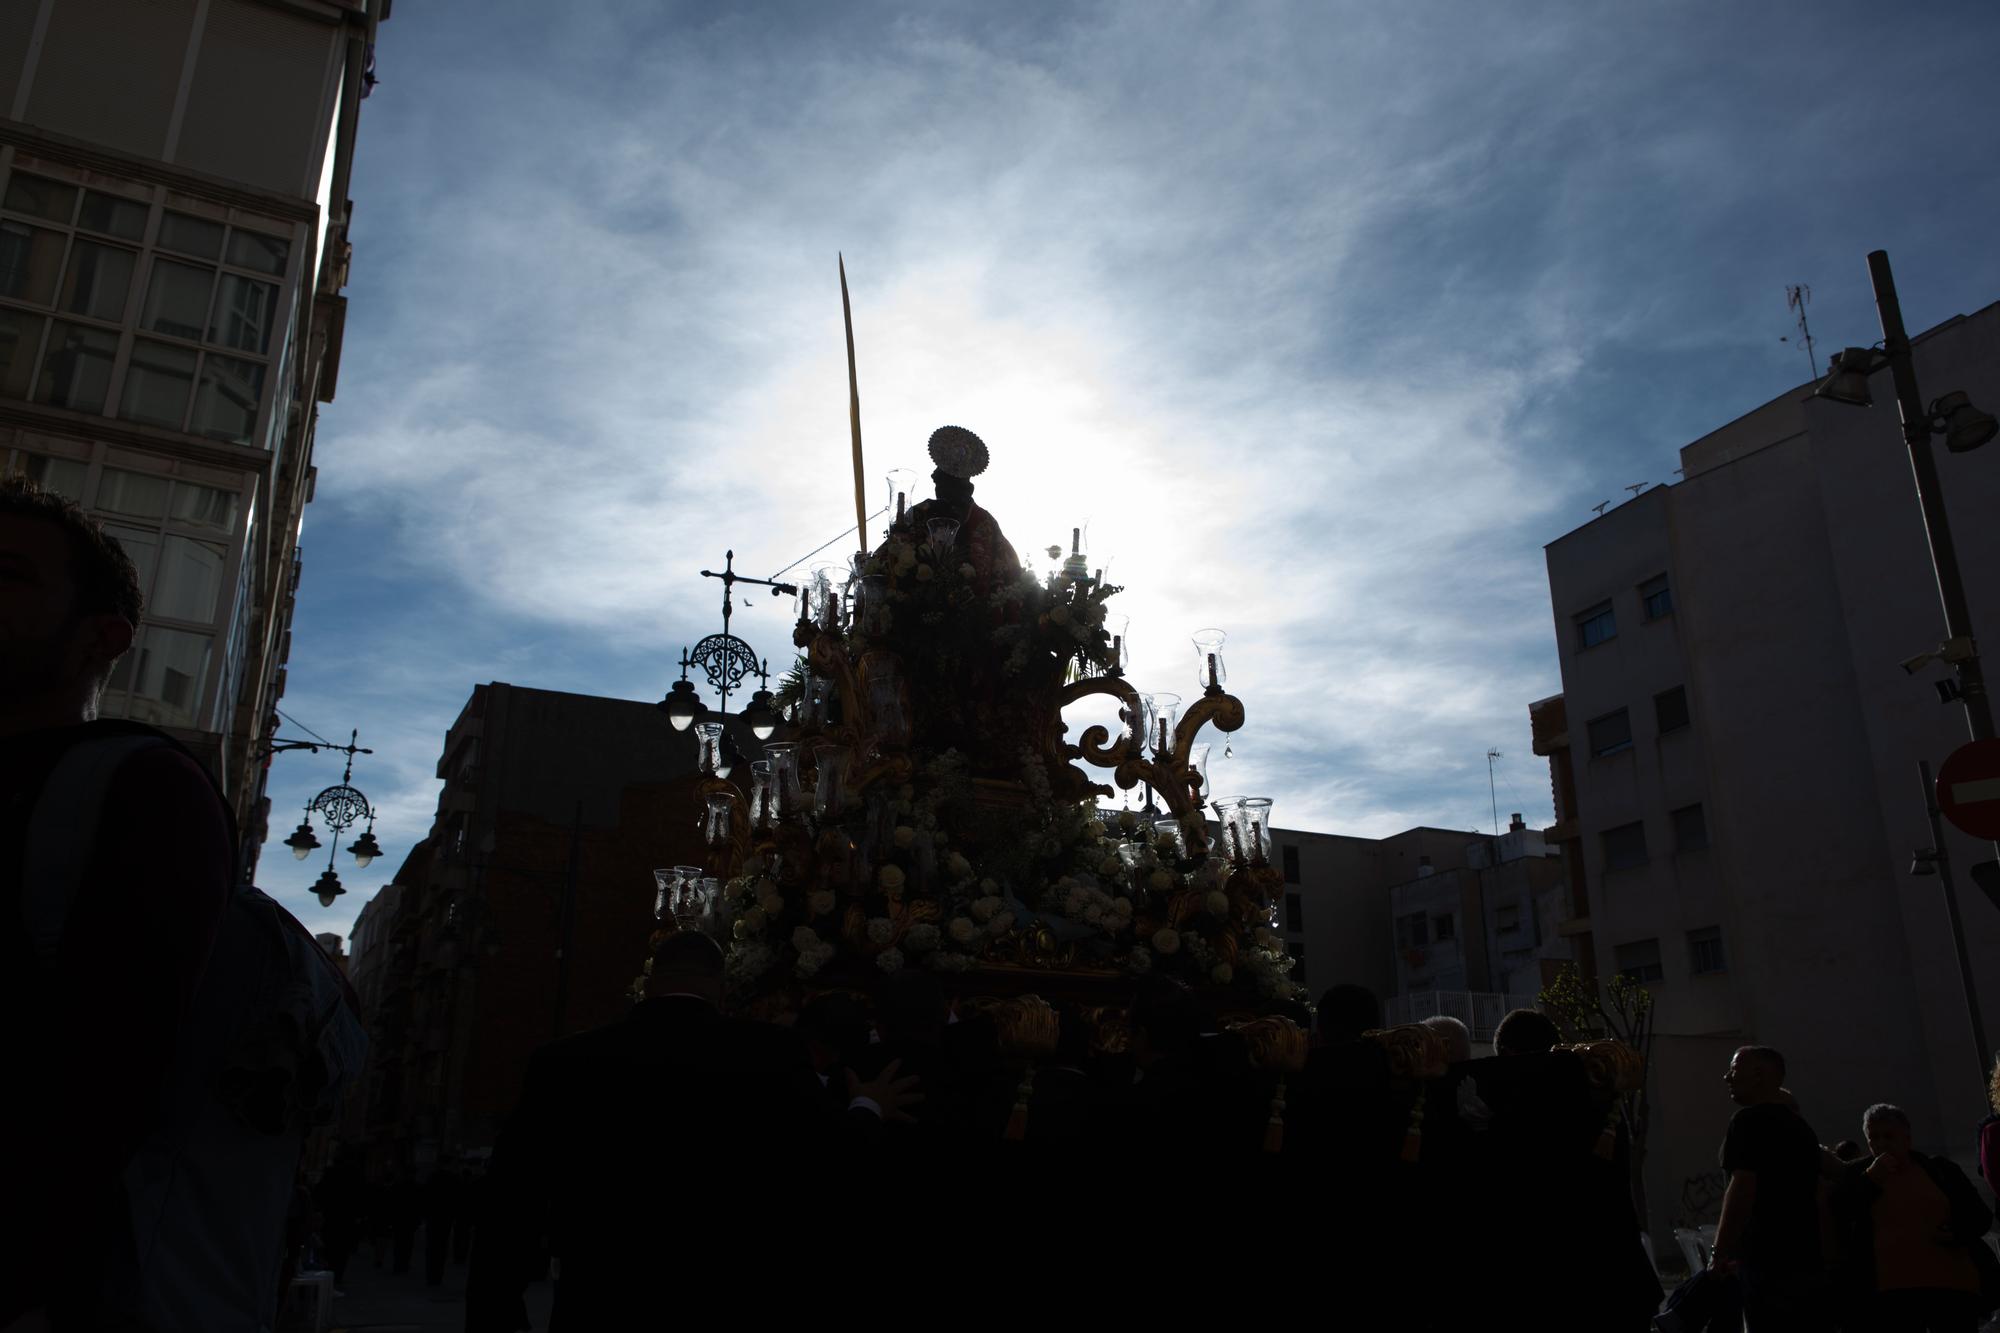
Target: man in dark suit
x,y
913,1020
658,1143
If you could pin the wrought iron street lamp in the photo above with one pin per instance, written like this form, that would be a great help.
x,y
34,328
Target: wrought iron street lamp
x,y
727,662
342,806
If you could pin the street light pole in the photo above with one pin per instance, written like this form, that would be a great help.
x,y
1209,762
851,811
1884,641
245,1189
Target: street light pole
x,y
1940,858
1937,525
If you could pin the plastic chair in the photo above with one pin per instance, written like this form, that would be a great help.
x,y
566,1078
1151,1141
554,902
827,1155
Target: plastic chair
x,y
1694,1247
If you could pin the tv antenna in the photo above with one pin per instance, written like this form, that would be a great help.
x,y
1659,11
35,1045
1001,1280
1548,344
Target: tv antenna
x,y
1797,297
1599,508
1636,487
1491,755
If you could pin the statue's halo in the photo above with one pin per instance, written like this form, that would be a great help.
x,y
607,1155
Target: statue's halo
x,y
958,451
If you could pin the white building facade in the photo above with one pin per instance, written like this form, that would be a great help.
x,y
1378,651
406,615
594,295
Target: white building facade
x,y
173,245
1745,744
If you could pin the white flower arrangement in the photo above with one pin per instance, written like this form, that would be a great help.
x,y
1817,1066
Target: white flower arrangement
x,y
1127,820
1222,974
921,938
904,835
747,962
984,909
959,867
963,930
1160,880
1167,940
890,960
881,930
1217,903
946,961
821,902
806,940
890,877
1139,960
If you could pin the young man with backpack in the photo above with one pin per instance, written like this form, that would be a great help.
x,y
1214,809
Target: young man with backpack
x,y
173,1029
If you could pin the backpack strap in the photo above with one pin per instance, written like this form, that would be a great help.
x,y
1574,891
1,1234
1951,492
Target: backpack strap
x,y
61,834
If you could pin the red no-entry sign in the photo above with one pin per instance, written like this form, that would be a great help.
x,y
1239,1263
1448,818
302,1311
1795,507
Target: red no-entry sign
x,y
1968,788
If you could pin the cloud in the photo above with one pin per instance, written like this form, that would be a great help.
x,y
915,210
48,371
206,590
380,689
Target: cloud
x,y
1323,318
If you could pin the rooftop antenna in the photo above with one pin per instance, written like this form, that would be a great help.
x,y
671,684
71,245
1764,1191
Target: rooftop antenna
x,y
1636,487
1599,508
1797,298
1491,755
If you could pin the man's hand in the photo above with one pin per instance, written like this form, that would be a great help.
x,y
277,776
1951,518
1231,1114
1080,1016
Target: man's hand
x,y
887,1091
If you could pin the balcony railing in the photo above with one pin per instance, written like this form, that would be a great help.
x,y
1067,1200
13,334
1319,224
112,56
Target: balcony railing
x,y
1479,1010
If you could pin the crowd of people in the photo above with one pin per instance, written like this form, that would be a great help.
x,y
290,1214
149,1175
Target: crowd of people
x,y
347,1211
1426,1198
890,1153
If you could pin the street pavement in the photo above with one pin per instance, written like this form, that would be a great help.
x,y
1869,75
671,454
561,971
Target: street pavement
x,y
377,1300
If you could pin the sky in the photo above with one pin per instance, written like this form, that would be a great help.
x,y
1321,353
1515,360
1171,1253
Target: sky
x,y
1324,318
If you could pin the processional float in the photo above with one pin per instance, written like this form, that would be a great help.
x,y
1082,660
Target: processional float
x,y
922,804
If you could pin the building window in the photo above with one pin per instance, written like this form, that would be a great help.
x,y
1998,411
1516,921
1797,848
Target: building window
x,y
1625,846
181,537
1640,961
1670,709
1413,931
1690,829
64,476
1291,865
76,368
1295,912
211,315
1507,919
1657,596
1705,951
1611,733
1596,625
1446,927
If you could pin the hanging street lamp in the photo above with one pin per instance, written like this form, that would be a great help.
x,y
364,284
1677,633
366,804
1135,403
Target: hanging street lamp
x,y
342,806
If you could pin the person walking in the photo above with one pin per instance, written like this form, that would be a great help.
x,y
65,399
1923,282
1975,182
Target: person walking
x,y
340,1201
441,1203
405,1207
1905,1223
1768,1233
176,1028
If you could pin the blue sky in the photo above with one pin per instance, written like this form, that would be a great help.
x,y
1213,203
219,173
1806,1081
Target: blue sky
x,y
1324,317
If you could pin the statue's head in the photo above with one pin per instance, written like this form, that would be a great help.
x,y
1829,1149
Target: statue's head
x,y
960,456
